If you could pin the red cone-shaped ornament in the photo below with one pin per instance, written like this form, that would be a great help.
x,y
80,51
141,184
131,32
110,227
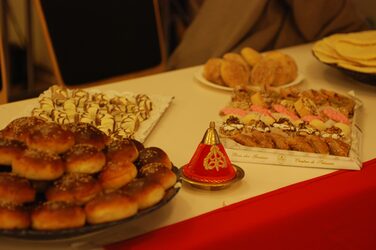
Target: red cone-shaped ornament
x,y
210,163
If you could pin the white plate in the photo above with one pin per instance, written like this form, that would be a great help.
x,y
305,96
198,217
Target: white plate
x,y
200,77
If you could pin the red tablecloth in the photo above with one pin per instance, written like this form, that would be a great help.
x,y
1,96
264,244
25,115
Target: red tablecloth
x,y
335,211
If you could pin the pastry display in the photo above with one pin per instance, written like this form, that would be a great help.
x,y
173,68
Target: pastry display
x,y
115,115
68,176
312,121
251,68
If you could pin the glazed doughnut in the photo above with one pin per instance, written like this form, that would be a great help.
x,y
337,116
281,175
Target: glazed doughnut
x,y
159,173
84,158
74,188
13,217
122,150
145,191
37,165
18,129
15,189
86,133
50,137
56,216
110,207
9,150
154,154
116,174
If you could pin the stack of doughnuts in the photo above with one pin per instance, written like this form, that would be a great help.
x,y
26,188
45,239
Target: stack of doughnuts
x,y
250,68
55,177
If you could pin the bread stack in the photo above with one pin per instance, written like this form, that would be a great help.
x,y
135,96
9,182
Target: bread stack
x,y
352,51
55,177
250,68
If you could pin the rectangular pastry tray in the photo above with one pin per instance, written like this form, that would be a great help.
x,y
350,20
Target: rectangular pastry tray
x,y
240,153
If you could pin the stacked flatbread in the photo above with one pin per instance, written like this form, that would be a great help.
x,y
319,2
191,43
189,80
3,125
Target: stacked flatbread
x,y
352,51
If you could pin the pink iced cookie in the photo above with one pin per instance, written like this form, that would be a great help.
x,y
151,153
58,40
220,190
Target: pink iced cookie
x,y
233,111
309,118
261,110
283,110
336,115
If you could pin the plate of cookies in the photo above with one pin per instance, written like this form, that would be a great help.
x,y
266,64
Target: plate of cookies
x,y
292,127
63,181
250,69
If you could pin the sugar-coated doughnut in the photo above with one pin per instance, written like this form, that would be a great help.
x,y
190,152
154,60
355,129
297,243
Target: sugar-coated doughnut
x,y
15,189
13,217
110,207
74,188
154,154
122,150
19,128
159,173
251,56
146,192
84,158
9,150
50,137
234,74
237,58
56,216
37,165
86,133
286,71
263,72
116,174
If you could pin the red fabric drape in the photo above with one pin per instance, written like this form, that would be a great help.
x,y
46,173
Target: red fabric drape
x,y
334,211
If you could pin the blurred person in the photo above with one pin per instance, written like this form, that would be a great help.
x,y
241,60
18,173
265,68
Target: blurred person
x,y
222,26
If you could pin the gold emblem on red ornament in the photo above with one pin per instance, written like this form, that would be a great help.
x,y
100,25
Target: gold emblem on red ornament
x,y
215,159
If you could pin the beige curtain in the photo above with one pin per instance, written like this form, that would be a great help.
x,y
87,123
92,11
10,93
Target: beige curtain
x,y
228,25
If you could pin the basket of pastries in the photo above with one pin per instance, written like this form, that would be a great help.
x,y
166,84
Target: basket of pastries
x,y
71,179
352,53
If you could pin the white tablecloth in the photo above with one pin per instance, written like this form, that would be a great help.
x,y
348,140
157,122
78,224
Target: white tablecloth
x,y
182,127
